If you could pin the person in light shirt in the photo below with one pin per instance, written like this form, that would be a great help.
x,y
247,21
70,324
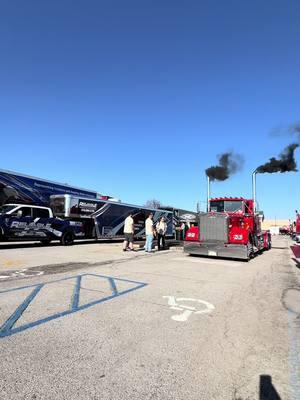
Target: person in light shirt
x,y
149,233
128,233
161,229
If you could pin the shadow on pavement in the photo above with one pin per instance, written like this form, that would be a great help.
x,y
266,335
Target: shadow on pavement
x,y
27,245
16,245
243,260
267,390
297,263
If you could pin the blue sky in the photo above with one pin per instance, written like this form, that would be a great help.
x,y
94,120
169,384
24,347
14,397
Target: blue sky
x,y
137,98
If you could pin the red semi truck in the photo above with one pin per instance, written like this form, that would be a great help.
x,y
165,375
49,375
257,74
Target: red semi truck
x,y
231,228
296,233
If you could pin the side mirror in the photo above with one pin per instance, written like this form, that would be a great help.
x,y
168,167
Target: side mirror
x,y
19,213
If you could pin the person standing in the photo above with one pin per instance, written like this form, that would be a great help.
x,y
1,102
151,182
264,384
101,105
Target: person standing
x,y
182,231
149,233
161,229
128,233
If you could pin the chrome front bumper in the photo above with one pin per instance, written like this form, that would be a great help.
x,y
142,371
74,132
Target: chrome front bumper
x,y
215,249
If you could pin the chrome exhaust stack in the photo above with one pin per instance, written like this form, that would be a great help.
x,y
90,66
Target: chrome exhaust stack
x,y
208,194
254,191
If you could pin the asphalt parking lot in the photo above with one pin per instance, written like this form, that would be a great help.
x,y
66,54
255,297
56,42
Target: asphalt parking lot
x,y
92,322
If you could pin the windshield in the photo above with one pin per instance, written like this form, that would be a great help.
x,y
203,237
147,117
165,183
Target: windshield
x,y
226,206
6,209
58,205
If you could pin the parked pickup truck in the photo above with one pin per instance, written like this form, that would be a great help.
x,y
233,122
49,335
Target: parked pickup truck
x,y
27,222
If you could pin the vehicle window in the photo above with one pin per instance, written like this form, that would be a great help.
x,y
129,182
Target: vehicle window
x,y
58,205
233,206
26,211
40,213
226,206
6,209
217,206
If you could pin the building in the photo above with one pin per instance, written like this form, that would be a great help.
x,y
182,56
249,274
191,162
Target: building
x,y
273,225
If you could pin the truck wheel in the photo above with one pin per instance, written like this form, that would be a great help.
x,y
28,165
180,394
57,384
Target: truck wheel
x,y
67,239
250,252
2,237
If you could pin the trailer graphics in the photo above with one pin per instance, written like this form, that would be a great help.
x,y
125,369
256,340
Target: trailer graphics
x,y
105,219
19,188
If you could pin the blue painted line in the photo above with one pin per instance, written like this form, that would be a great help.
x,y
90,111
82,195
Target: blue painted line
x,y
70,277
64,313
7,326
113,286
75,297
7,329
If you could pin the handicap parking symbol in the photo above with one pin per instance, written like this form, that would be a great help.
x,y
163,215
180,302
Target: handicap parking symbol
x,y
178,304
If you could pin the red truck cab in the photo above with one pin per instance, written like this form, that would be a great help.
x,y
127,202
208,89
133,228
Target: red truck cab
x,y
231,228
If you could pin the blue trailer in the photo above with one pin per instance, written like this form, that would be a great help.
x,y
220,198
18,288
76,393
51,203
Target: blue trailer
x,y
105,219
25,189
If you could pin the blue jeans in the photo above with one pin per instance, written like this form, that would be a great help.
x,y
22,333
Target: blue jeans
x,y
149,240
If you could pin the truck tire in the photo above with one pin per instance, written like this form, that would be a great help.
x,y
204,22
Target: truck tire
x,y
250,251
67,238
2,237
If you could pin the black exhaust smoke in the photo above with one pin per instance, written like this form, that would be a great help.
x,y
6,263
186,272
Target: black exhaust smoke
x,y
285,163
295,129
229,164
291,130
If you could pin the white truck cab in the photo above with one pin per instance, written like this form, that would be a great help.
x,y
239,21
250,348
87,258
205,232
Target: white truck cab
x,y
29,222
23,210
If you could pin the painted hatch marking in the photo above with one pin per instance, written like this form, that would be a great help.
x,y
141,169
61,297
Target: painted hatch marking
x,y
8,328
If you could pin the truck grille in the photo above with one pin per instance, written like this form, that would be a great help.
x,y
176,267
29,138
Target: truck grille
x,y
214,227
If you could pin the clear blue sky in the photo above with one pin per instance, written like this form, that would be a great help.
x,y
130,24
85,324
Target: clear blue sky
x,y
137,98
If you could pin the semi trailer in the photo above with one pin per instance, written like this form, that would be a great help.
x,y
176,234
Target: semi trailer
x,y
72,217
105,219
17,188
